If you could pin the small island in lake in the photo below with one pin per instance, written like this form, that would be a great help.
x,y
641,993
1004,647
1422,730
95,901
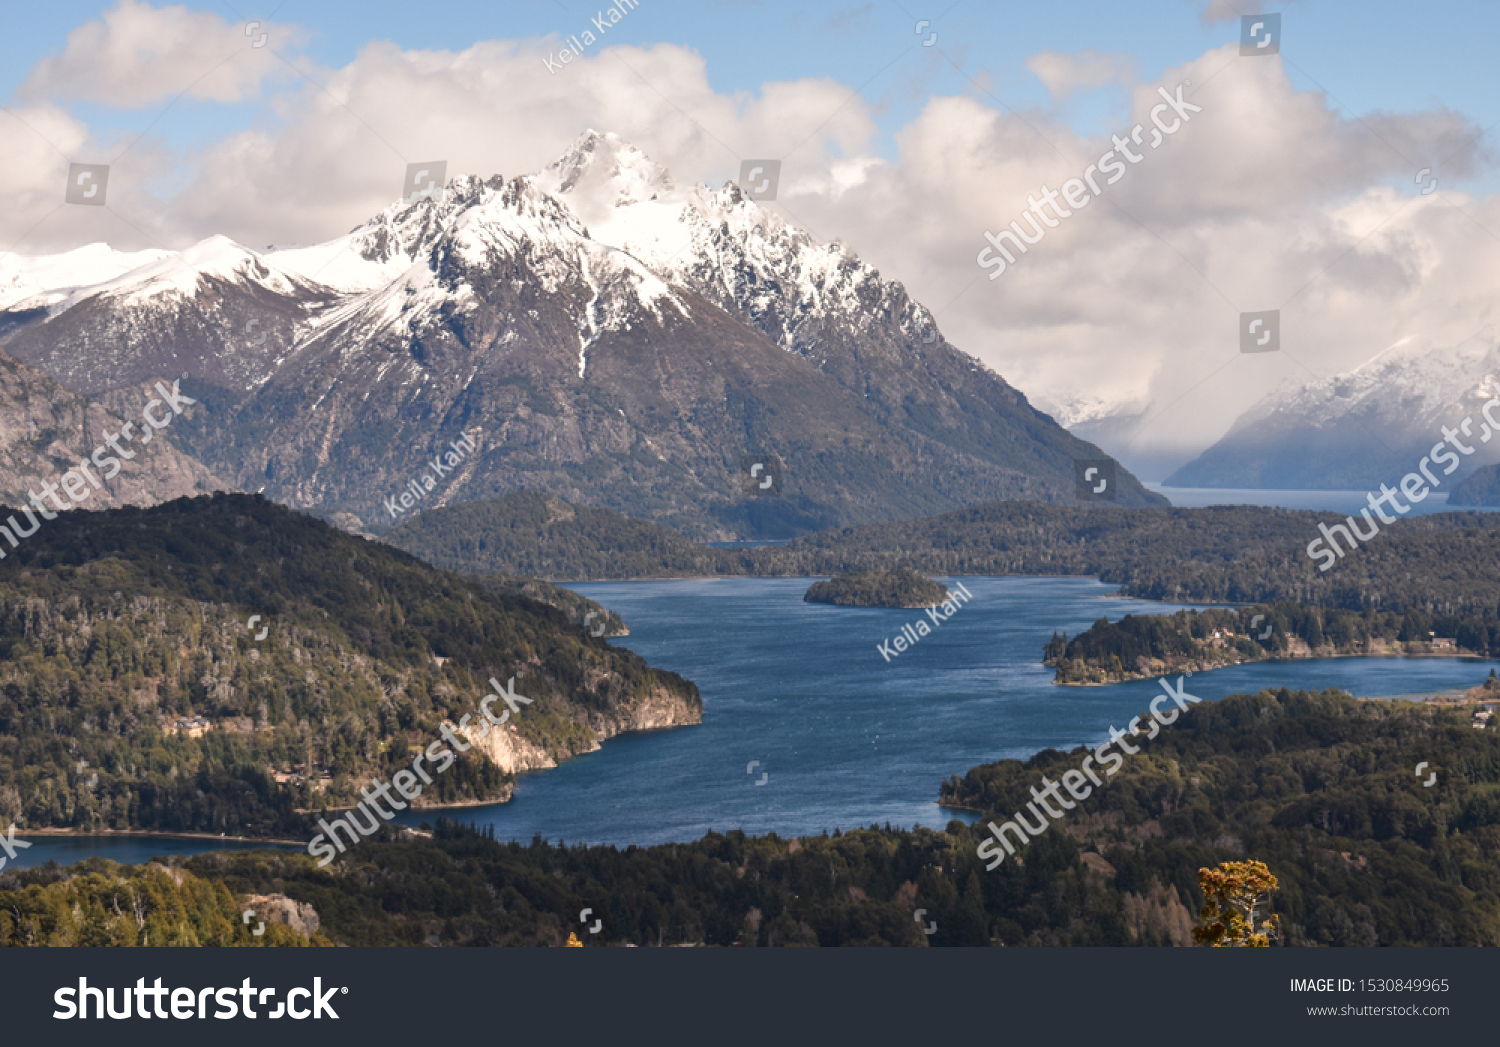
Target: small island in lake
x,y
896,588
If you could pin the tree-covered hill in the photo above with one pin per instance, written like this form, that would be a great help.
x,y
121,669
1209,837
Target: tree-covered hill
x,y
898,588
99,903
531,533
1481,487
116,626
1321,787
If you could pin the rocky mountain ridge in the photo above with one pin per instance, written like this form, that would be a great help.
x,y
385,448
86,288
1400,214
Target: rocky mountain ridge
x,y
598,332
46,430
1362,428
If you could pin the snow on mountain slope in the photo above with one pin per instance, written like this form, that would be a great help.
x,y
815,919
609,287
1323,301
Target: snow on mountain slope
x,y
801,294
1411,387
370,256
1352,430
217,310
183,274
1091,409
481,228
723,245
57,275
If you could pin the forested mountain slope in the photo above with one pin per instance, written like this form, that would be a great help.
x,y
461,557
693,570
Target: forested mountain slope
x,y
115,626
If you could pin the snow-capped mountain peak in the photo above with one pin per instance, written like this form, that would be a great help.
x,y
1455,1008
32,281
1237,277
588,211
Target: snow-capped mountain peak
x,y
728,248
47,279
1408,385
606,164
1360,428
216,259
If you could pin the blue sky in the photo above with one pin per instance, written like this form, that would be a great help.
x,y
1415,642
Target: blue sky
x,y
1374,55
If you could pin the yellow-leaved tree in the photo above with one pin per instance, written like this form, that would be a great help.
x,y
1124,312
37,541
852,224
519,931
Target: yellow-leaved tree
x,y
1231,894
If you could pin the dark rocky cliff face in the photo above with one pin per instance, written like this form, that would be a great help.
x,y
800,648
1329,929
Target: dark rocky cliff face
x,y
45,430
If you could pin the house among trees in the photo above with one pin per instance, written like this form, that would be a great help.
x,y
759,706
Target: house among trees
x,y
192,727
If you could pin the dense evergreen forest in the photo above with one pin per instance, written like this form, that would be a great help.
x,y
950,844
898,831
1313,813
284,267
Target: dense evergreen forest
x,y
898,588
1138,647
1322,788
115,626
599,621
1443,564
1318,786
98,903
535,534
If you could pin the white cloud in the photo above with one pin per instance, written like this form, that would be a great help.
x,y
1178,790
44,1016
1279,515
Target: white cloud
x,y
1216,11
137,55
1063,75
341,153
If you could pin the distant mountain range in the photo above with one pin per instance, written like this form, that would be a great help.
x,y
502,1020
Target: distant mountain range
x,y
1357,430
595,331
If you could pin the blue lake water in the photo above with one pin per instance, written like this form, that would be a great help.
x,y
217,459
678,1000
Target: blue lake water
x,y
1346,502
842,737
127,850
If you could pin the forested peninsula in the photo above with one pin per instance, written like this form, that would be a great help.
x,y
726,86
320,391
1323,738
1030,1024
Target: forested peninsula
x,y
1144,646
225,665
